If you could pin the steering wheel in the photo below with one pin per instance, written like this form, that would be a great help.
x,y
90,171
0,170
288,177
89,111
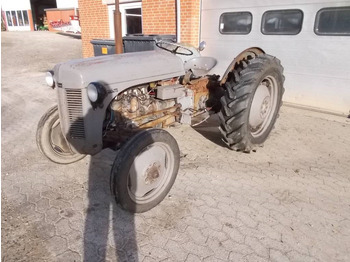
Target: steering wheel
x,y
176,47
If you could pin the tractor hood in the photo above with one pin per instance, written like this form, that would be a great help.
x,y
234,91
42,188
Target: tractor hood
x,y
119,71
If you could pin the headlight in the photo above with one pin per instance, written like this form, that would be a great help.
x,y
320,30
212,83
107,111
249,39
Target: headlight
x,y
49,79
92,92
96,93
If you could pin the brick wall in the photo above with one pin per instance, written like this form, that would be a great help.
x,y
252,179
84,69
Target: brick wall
x,y
57,15
30,17
158,17
190,20
93,16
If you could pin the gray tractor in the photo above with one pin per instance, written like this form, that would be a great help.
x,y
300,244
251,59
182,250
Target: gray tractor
x,y
123,101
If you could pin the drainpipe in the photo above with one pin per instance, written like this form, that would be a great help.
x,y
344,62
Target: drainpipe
x,y
178,21
118,29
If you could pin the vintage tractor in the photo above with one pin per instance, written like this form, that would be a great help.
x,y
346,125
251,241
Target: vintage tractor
x,y
122,102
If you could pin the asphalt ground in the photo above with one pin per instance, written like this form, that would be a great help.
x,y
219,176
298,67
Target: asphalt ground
x,y
289,201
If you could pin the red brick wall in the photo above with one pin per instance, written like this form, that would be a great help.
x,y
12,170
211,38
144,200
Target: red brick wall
x,y
57,15
30,17
158,16
93,16
190,20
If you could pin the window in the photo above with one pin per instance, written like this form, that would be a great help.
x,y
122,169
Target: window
x,y
282,22
8,17
333,21
237,23
25,18
133,21
14,18
17,18
131,18
20,18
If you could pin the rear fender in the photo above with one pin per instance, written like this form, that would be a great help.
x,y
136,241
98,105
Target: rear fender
x,y
253,51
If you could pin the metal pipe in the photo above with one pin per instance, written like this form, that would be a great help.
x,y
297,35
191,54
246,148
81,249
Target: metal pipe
x,y
169,109
118,29
160,120
178,21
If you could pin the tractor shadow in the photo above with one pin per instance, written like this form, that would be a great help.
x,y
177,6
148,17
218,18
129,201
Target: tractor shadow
x,y
108,228
109,231
210,130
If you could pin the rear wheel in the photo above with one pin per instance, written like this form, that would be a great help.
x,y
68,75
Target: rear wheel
x,y
51,141
145,170
251,102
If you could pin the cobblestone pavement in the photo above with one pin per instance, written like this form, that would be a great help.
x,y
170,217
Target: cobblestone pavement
x,y
289,201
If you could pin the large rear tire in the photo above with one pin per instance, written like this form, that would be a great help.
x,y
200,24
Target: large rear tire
x,y
144,170
251,102
51,142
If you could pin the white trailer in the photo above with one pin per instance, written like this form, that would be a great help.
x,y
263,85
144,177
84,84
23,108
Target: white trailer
x,y
310,37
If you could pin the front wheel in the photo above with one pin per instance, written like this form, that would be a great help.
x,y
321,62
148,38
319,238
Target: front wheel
x,y
145,170
51,142
251,102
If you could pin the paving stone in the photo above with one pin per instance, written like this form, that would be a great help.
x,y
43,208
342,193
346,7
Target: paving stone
x,y
56,245
192,258
220,251
42,205
219,235
255,258
62,227
196,235
176,251
154,252
278,256
75,241
199,250
237,257
69,256
213,222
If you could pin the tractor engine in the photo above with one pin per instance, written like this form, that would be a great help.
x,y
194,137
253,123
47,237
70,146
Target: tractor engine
x,y
157,104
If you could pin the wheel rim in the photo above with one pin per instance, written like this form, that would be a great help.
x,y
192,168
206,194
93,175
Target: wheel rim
x,y
57,141
150,172
263,106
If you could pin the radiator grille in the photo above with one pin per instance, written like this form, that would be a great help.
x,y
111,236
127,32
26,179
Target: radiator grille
x,y
75,113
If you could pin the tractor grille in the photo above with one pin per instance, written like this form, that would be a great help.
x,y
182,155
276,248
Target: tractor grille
x,y
75,113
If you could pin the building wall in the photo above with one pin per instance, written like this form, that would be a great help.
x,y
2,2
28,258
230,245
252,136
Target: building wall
x,y
93,16
16,5
54,15
190,21
158,17
30,16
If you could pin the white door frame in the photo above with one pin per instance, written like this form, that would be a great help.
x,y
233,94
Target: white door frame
x,y
122,8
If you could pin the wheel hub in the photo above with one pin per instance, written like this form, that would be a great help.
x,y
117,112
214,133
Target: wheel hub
x,y
265,107
148,171
152,173
260,106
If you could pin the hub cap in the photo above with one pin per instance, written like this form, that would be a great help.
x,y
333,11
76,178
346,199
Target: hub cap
x,y
263,106
150,172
